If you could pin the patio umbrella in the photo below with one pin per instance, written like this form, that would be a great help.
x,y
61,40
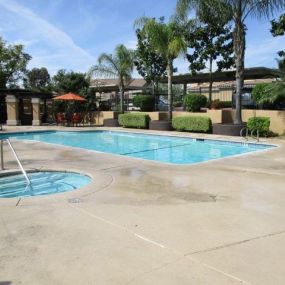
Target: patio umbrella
x,y
69,97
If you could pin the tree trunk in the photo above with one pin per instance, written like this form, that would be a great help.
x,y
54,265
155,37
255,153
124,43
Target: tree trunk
x,y
122,91
169,85
153,93
211,81
239,50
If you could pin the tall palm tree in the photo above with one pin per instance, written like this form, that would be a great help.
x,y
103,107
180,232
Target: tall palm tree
x,y
237,11
118,65
168,40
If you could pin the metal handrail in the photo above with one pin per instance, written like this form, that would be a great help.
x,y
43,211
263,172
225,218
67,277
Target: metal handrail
x,y
257,134
19,163
246,134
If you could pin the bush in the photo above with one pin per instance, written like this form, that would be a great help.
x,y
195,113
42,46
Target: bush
x,y
194,102
192,124
226,104
216,104
260,93
261,124
144,102
134,120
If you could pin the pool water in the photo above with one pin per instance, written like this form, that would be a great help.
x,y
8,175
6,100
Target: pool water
x,y
42,183
167,149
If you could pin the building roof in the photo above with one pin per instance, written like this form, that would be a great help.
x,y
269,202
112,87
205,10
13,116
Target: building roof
x,y
220,76
109,85
24,93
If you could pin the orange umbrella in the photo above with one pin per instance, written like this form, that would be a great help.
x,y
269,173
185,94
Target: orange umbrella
x,y
69,97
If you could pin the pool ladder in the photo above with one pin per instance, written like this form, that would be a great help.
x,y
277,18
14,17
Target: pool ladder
x,y
17,159
252,135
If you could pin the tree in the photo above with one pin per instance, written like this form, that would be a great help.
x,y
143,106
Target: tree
x,y
150,64
278,29
168,40
119,65
13,64
271,93
236,11
75,82
210,41
37,78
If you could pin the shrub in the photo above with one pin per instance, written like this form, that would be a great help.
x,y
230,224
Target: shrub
x,y
216,104
194,102
261,124
144,102
192,124
134,120
226,104
260,93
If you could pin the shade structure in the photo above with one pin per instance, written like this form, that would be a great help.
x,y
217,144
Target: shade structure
x,y
69,97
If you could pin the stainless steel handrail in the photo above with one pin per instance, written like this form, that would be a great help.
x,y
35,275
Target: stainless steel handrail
x,y
19,163
257,134
246,134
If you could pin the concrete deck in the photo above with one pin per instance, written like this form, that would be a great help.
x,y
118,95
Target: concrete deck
x,y
141,222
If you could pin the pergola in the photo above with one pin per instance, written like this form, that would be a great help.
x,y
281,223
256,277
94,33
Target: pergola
x,y
220,76
14,104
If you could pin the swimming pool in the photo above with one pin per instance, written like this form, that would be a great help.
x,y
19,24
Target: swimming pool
x,y
162,148
42,183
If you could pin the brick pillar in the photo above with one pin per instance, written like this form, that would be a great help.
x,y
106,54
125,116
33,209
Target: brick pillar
x,y
36,111
12,110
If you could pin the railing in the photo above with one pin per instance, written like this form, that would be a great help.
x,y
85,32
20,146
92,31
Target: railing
x,y
17,159
257,134
246,133
246,137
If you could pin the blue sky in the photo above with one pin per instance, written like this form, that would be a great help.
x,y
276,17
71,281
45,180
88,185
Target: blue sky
x,y
70,34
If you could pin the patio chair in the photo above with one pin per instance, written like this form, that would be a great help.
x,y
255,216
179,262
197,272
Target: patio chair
x,y
76,119
60,119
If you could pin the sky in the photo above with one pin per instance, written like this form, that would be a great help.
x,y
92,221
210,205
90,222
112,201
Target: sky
x,y
71,34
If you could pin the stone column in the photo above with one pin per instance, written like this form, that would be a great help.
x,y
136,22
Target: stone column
x,y
36,111
12,110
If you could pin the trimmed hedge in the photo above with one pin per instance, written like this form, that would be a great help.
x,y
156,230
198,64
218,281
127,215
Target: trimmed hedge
x,y
261,124
134,120
194,102
145,102
192,124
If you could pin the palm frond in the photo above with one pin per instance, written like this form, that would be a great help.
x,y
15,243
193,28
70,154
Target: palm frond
x,y
108,60
100,70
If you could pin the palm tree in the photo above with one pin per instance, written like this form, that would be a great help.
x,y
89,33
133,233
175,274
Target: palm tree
x,y
237,11
168,40
119,65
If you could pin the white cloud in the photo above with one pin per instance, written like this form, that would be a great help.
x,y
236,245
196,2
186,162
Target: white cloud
x,y
62,45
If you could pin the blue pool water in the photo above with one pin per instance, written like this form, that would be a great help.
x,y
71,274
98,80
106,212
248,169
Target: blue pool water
x,y
43,183
167,149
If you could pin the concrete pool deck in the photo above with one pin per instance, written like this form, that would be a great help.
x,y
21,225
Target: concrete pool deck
x,y
141,222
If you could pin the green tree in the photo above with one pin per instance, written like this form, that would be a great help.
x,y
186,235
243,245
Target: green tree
x,y
210,41
13,64
119,65
149,63
75,82
168,40
37,78
236,11
278,29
